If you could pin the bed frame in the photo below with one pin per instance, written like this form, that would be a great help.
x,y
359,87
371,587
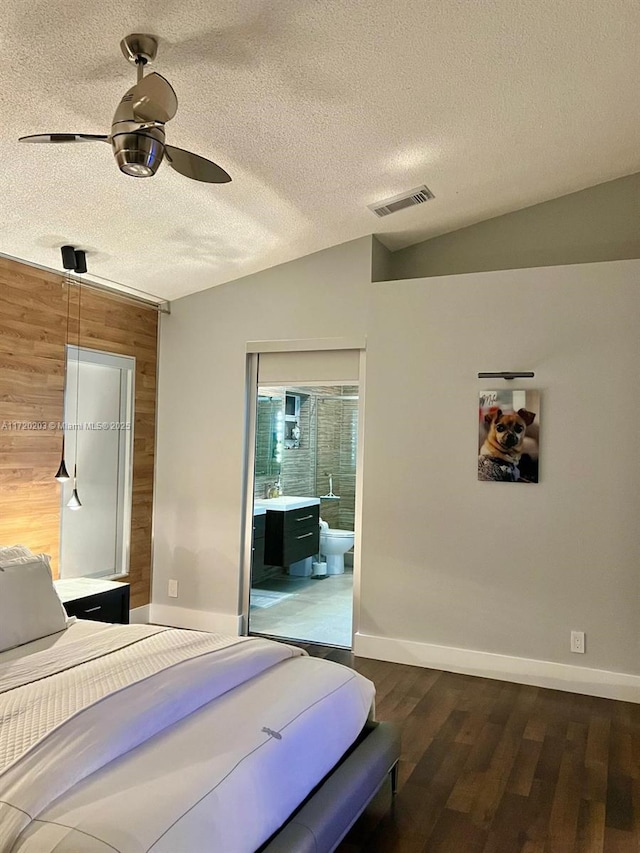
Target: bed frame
x,y
329,812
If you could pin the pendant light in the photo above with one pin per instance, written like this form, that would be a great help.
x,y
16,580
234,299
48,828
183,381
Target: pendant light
x,y
80,265
69,263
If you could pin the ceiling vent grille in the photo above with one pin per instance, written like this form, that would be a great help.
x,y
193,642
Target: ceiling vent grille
x,y
399,202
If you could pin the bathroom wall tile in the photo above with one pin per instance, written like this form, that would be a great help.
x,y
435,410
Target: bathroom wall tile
x,y
328,446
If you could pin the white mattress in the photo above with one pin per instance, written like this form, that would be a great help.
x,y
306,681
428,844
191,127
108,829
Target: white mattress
x,y
224,778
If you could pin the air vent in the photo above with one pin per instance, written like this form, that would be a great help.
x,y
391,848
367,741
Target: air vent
x,y
399,202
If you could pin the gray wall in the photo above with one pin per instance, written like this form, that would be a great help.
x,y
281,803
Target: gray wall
x,y
503,568
200,475
601,223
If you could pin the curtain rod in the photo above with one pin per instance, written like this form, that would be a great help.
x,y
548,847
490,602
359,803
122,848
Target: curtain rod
x,y
162,306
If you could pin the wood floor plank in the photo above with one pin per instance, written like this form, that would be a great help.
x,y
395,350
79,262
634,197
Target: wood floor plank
x,y
563,821
619,803
492,767
591,827
524,768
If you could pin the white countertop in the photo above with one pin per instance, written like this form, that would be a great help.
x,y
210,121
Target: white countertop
x,y
286,502
71,588
259,510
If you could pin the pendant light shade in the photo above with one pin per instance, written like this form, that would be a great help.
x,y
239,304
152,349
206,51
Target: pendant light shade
x,y
74,501
62,475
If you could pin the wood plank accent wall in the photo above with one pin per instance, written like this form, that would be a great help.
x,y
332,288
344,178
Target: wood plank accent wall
x,y
33,312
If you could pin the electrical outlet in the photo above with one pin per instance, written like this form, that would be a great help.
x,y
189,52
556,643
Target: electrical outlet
x,y
173,589
577,642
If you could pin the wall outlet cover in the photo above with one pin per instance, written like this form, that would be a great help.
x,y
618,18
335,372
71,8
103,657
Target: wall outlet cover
x,y
173,589
577,642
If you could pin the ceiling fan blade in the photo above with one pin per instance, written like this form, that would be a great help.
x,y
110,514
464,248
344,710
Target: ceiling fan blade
x,y
196,167
64,137
153,99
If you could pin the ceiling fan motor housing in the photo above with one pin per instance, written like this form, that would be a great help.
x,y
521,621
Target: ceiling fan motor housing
x,y
138,153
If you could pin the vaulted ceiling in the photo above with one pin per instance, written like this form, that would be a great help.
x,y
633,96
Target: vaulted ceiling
x,y
317,108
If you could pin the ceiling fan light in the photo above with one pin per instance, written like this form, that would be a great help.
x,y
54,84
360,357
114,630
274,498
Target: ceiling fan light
x,y
136,170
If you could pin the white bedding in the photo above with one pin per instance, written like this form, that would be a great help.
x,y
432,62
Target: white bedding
x,y
165,777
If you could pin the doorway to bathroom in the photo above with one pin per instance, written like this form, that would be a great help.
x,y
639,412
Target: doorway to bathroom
x,y
304,512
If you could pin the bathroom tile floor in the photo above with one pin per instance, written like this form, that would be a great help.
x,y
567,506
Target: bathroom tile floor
x,y
316,611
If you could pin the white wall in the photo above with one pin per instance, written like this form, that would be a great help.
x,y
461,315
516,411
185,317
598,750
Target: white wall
x,y
503,568
447,561
197,525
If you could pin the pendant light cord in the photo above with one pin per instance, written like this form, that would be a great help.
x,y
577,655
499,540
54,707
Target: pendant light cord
x,y
66,344
77,430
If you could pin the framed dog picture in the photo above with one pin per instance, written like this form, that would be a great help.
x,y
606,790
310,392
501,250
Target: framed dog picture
x,y
508,436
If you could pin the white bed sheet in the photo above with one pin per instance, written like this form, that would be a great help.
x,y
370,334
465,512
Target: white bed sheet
x,y
223,779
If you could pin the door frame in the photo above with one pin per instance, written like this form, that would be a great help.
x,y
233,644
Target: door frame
x,y
126,365
253,350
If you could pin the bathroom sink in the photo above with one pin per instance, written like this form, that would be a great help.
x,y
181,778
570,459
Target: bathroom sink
x,y
285,502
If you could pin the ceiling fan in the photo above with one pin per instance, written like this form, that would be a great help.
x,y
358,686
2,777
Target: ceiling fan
x,y
137,130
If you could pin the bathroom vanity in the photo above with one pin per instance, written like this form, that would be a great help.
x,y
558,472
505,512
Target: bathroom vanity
x,y
258,566
291,530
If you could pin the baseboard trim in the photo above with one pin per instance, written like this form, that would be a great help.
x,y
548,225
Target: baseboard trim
x,y
557,676
140,615
198,620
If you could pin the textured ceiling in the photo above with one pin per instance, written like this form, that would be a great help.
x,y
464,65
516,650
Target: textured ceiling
x,y
317,108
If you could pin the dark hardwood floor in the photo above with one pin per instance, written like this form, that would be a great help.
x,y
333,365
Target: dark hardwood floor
x,y
493,767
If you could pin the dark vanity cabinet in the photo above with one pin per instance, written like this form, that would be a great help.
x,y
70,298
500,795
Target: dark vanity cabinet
x,y
258,566
292,535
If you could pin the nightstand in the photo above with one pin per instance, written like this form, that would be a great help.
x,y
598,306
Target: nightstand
x,y
95,599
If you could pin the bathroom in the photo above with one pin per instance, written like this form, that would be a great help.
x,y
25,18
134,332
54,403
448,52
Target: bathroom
x,y
306,448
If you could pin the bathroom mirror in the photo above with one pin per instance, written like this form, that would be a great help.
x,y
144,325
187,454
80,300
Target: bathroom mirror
x,y
269,433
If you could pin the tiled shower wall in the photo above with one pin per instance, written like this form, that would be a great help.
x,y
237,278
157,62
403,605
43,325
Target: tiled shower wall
x,y
337,453
266,466
328,445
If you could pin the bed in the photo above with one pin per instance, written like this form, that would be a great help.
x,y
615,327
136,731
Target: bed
x,y
142,738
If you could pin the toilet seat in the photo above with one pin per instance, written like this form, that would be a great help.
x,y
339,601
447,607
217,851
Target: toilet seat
x,y
337,534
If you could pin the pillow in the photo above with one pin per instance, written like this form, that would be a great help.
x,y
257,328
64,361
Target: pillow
x,y
24,559
12,551
29,604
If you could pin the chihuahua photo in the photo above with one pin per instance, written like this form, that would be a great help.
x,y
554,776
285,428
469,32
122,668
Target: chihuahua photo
x,y
503,447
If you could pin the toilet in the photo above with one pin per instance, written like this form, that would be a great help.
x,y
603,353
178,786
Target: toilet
x,y
334,544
